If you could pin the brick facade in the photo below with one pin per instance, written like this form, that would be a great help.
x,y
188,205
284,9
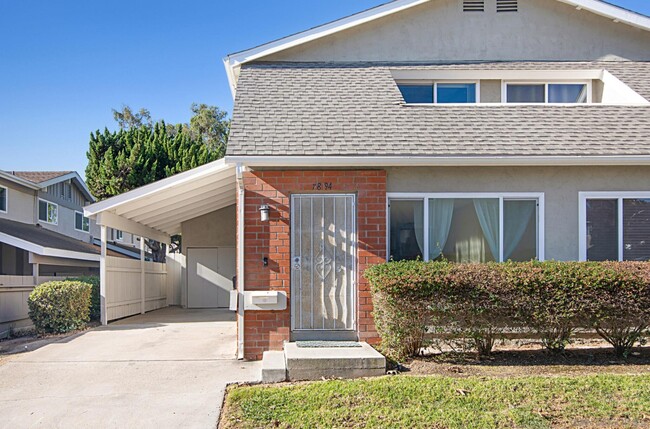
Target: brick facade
x,y
267,330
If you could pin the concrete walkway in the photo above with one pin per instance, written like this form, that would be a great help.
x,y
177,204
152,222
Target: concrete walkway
x,y
164,369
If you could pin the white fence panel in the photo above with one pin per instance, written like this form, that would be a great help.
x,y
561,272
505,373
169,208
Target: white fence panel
x,y
176,264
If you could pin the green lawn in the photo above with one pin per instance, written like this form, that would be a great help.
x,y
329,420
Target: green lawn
x,y
595,401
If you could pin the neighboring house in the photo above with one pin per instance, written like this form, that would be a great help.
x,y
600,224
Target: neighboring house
x,y
43,235
474,130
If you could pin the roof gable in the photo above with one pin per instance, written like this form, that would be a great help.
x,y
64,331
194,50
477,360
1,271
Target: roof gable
x,y
274,50
43,179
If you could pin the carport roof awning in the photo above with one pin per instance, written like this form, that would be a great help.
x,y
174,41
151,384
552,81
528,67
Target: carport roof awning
x,y
157,210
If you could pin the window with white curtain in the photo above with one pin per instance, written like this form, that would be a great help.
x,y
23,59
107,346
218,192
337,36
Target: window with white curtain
x,y
615,226
465,227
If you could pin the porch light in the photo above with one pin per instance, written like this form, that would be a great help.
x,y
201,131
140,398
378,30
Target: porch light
x,y
264,213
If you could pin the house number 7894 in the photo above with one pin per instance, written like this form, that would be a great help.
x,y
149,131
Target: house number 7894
x,y
322,186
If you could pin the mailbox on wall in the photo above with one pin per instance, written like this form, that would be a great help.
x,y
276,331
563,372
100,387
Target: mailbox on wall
x,y
265,300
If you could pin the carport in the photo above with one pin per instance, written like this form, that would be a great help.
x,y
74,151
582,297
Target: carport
x,y
198,204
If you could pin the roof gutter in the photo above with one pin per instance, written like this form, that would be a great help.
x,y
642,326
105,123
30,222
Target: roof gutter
x,y
435,161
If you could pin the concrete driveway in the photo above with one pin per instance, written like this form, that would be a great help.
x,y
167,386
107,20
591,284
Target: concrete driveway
x,y
164,369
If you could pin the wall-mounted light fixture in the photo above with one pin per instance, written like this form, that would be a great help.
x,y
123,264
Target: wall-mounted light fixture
x,y
264,213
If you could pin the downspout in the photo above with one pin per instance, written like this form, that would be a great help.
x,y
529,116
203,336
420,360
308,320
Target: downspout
x,y
240,261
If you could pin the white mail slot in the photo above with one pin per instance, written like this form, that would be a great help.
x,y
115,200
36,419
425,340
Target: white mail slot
x,y
264,297
265,300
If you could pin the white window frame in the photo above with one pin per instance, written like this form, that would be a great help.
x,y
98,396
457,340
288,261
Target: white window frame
x,y
546,83
82,222
604,195
501,196
39,212
119,235
434,88
6,210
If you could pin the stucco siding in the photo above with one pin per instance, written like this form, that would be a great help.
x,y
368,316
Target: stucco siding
x,y
560,186
214,229
20,203
66,225
440,30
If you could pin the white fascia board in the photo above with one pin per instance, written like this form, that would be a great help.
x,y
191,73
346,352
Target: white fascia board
x,y
46,251
15,179
169,182
433,161
526,75
613,12
233,61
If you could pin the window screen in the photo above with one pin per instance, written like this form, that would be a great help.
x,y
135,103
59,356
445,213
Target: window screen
x,y
602,230
526,93
636,229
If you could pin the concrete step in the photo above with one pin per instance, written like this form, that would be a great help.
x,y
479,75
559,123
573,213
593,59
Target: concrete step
x,y
314,363
274,367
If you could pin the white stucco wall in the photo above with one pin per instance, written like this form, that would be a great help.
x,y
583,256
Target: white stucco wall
x,y
440,31
560,186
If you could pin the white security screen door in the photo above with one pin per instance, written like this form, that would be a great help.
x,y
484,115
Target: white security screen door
x,y
323,262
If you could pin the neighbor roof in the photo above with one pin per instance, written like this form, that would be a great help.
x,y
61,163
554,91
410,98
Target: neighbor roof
x,y
39,176
233,62
36,239
355,110
43,179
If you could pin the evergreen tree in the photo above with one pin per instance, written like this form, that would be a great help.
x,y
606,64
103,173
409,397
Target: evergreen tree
x,y
141,152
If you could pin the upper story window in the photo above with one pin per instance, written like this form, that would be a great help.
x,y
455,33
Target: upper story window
x,y
3,199
119,235
547,92
439,93
48,212
81,222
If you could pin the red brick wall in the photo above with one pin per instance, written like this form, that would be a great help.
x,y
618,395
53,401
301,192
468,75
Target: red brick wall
x,y
267,330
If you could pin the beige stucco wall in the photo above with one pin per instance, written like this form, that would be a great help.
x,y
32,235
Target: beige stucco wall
x,y
215,229
490,91
20,203
440,30
559,184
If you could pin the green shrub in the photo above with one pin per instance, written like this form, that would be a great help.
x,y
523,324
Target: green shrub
x,y
95,309
59,307
478,302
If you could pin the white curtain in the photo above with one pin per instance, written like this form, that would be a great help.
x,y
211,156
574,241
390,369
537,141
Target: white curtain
x,y
418,225
487,211
441,211
516,217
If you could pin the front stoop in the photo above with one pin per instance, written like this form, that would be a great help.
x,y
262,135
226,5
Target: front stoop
x,y
274,367
333,362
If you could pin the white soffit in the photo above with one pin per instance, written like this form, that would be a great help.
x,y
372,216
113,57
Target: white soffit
x,y
162,206
234,61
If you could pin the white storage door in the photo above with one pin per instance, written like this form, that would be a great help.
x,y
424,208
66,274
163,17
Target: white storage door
x,y
209,276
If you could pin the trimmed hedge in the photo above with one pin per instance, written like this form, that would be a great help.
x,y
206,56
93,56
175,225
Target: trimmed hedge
x,y
95,309
478,303
60,306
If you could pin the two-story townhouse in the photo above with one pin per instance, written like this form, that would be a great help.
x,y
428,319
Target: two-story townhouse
x,y
474,130
44,235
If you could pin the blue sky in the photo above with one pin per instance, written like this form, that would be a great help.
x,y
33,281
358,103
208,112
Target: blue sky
x,y
65,64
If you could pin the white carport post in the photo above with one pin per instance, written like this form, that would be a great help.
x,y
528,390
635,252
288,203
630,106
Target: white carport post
x,y
142,277
102,277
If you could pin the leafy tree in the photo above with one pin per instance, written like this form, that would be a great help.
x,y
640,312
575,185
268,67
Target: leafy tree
x,y
142,152
127,119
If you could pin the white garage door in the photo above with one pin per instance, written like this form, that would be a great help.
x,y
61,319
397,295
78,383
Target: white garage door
x,y
209,276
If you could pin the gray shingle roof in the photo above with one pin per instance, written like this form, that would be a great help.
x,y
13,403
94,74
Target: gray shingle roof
x,y
39,176
301,109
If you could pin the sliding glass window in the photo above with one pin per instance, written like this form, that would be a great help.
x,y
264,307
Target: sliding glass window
x,y
615,228
459,228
